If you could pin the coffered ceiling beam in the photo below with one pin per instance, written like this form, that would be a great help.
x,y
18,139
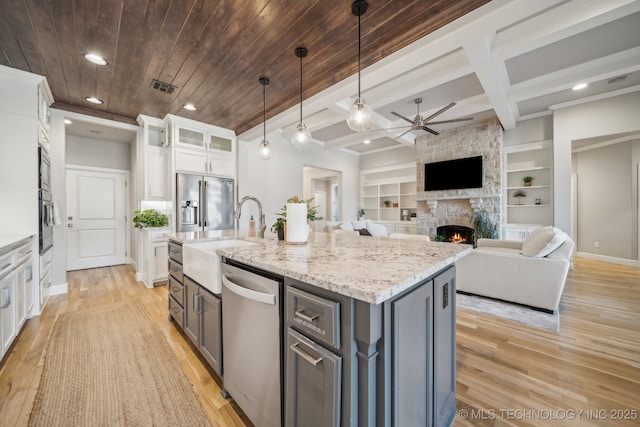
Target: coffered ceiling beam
x,y
493,78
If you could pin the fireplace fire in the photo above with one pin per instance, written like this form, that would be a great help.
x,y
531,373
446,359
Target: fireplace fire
x,y
456,234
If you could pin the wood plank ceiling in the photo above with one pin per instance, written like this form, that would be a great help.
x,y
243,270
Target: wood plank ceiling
x,y
212,51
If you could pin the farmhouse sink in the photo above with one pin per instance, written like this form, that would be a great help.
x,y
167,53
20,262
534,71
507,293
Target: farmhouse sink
x,y
201,262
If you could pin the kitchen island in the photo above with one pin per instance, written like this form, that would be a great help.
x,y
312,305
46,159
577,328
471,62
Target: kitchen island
x,y
367,333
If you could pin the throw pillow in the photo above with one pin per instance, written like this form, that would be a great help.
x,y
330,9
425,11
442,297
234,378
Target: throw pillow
x,y
542,242
358,225
376,230
346,226
363,232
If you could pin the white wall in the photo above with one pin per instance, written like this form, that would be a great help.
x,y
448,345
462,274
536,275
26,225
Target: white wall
x,y
98,153
275,180
388,157
609,116
605,203
59,194
533,130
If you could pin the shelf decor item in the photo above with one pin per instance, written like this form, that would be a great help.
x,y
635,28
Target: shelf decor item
x,y
518,194
527,181
279,227
361,214
387,203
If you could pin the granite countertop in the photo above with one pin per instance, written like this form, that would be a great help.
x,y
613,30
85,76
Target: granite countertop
x,y
8,241
370,269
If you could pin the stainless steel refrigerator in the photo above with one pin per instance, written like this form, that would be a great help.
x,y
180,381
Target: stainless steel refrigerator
x,y
204,203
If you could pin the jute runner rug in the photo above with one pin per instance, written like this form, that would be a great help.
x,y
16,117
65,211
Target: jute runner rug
x,y
112,366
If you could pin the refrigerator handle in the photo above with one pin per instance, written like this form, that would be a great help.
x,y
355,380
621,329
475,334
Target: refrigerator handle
x,y
201,207
203,198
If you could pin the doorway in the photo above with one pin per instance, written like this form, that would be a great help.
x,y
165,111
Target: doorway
x,y
96,217
324,185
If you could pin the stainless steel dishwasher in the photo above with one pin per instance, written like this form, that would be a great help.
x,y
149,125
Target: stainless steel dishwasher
x,y
252,343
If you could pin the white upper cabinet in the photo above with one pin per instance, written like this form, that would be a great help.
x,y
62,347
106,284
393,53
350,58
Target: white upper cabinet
x,y
155,158
45,99
201,148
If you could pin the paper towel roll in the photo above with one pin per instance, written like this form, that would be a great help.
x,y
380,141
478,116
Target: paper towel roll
x,y
297,228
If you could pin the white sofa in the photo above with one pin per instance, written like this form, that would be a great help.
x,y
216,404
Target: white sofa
x,y
532,272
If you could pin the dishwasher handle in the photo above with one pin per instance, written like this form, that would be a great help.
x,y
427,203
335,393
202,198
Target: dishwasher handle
x,y
262,297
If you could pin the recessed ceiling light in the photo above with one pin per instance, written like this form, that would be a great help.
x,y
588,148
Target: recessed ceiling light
x,y
366,141
95,59
67,121
189,107
580,86
93,100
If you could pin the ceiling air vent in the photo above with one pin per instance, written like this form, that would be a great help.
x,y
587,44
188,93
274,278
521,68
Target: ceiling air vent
x,y
162,86
618,79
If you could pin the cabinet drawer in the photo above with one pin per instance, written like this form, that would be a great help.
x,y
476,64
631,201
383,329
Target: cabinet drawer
x,y
175,252
175,270
314,316
176,311
176,290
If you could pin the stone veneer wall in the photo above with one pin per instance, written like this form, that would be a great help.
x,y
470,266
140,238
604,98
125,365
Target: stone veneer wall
x,y
454,207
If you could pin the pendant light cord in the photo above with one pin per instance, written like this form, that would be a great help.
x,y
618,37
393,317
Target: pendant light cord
x,y
300,88
358,56
264,111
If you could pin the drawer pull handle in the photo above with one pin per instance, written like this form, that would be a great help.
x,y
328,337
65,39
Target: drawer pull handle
x,y
300,314
305,356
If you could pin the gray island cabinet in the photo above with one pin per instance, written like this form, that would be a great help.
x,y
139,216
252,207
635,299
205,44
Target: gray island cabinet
x,y
367,331
353,363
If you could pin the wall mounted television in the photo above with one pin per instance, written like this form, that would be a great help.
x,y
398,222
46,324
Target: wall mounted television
x,y
453,174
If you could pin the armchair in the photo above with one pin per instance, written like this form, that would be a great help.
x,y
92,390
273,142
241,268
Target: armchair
x,y
532,272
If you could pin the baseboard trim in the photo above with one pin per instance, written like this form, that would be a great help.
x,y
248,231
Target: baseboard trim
x,y
613,260
60,289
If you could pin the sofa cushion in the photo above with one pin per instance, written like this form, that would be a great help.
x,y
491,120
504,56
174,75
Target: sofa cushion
x,y
542,241
330,226
347,226
363,232
358,225
376,230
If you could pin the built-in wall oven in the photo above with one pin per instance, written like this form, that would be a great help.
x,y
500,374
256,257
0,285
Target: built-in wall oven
x,y
44,170
46,221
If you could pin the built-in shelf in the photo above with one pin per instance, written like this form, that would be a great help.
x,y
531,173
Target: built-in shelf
x,y
396,184
534,160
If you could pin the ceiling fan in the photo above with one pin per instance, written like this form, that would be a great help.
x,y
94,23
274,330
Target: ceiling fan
x,y
420,123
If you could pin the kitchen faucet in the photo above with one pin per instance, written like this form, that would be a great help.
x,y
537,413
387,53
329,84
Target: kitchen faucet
x,y
262,226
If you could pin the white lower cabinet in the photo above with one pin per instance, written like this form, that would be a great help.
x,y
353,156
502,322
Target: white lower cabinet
x,y
155,256
8,327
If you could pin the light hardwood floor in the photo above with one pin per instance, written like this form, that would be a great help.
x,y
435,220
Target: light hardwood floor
x,y
508,373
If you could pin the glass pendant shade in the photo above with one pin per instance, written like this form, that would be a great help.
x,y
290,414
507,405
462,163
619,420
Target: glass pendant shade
x,y
301,138
264,150
359,117
360,114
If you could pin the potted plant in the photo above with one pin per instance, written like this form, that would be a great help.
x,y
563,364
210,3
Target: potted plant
x,y
278,227
518,194
149,218
361,214
387,203
527,181
483,226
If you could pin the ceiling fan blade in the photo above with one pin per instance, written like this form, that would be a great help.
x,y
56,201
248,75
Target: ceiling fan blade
x,y
437,113
430,130
402,134
402,117
387,129
441,122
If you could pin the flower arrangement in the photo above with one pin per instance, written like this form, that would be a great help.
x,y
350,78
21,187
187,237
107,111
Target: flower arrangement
x,y
149,218
518,194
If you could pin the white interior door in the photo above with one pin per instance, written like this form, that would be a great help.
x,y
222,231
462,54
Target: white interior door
x,y
95,222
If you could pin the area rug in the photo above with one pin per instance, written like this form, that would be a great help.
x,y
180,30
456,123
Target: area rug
x,y
510,311
112,366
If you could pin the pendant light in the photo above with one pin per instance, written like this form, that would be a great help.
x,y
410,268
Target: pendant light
x,y
264,149
301,138
359,117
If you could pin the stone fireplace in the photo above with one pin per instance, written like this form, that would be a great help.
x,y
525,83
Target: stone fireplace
x,y
455,207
